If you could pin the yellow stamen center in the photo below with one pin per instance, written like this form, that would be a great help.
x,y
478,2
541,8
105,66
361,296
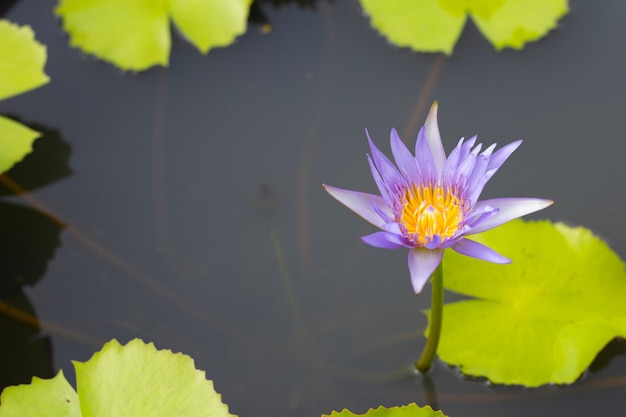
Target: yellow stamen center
x,y
431,211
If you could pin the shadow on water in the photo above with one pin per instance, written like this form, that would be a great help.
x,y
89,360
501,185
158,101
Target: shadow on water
x,y
259,17
46,164
615,348
29,238
25,351
28,241
6,5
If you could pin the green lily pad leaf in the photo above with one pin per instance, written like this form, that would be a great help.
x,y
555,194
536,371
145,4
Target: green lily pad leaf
x,y
22,60
41,398
423,25
541,319
131,380
411,410
435,25
208,24
135,34
139,380
518,22
482,8
132,34
16,141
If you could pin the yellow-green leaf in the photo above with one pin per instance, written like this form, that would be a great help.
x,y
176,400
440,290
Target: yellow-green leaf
x,y
541,319
208,24
421,25
435,25
139,380
518,22
482,8
131,380
135,34
41,398
22,60
132,34
411,410
16,141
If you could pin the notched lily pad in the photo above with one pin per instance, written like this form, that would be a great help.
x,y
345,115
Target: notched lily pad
x,y
16,141
140,37
411,410
131,380
541,319
209,24
518,22
423,26
47,163
435,25
22,60
41,398
139,380
132,34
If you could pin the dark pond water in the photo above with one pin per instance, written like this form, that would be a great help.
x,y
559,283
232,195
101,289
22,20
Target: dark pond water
x,y
160,187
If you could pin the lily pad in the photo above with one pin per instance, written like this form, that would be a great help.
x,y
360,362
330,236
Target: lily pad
x,y
435,25
518,22
139,380
541,319
208,24
411,410
41,398
423,26
22,60
132,34
131,380
16,141
135,34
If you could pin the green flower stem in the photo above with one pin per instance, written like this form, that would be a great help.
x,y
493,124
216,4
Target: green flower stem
x,y
436,318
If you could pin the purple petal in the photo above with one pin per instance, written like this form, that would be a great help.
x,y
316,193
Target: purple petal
x,y
385,240
425,164
363,204
452,163
467,147
384,215
390,174
478,173
477,216
422,263
479,184
404,160
434,243
508,209
495,162
498,158
382,186
434,138
487,152
460,164
394,228
478,250
466,166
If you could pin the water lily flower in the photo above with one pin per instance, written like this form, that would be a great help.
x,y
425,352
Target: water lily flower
x,y
428,202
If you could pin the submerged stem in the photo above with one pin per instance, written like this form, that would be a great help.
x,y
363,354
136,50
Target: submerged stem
x,y
436,318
